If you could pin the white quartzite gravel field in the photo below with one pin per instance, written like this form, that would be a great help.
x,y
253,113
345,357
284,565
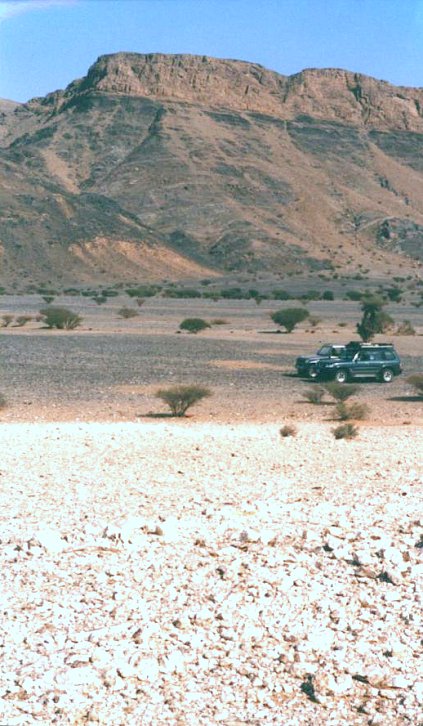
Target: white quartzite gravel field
x,y
193,573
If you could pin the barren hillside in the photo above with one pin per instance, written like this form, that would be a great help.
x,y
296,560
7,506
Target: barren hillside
x,y
159,166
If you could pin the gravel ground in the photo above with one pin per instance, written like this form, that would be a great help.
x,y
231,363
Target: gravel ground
x,y
186,573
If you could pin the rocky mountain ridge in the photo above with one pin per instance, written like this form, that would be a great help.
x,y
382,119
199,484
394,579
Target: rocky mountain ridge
x,y
156,165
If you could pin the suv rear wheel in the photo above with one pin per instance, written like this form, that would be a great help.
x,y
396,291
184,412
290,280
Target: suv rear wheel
x,y
387,375
341,376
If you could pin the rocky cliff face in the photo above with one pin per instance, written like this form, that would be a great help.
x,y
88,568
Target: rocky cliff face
x,y
325,94
210,166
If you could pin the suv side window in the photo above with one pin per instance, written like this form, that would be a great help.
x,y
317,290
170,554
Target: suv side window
x,y
389,355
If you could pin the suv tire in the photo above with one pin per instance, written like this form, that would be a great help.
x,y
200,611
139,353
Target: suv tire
x,y
387,375
341,376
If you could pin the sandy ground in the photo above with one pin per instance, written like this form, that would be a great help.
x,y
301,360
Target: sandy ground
x,y
204,570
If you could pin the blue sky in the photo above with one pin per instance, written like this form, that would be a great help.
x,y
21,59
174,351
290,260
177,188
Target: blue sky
x,y
45,44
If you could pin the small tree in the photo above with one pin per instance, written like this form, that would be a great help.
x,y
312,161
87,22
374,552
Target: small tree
x,y
290,317
194,325
374,319
61,318
354,411
180,398
314,395
340,391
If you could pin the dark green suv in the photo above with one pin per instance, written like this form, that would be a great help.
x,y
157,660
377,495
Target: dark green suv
x,y
362,360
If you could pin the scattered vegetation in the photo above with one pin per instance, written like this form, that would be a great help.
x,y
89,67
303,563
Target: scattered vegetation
x,y
314,395
6,320
127,313
181,398
2,401
288,430
340,391
194,325
22,320
143,291
345,431
290,317
354,411
416,381
405,328
60,318
219,321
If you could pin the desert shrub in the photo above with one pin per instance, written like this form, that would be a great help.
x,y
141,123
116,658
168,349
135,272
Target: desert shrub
x,y
127,313
394,293
290,317
405,328
219,321
311,295
211,295
60,318
416,381
194,325
314,395
314,321
355,295
2,401
7,320
143,291
140,301
100,299
354,411
345,431
181,398
22,320
280,295
109,293
328,295
235,293
182,292
288,430
340,391
48,298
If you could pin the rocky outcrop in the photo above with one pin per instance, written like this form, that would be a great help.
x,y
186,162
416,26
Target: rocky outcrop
x,y
321,93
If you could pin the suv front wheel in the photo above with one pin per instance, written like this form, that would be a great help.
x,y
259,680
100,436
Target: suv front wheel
x,y
341,376
387,375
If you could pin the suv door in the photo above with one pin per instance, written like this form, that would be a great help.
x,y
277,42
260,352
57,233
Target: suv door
x,y
366,364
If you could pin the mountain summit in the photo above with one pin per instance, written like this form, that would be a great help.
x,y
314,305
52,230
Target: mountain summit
x,y
181,166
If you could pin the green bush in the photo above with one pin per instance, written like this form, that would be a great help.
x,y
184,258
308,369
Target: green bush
x,y
314,395
194,325
182,292
181,398
60,318
340,391
290,317
328,295
355,411
280,295
416,381
127,313
345,431
143,291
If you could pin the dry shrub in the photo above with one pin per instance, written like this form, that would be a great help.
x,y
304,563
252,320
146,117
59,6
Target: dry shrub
x,y
340,391
127,313
181,398
355,411
314,395
345,431
288,430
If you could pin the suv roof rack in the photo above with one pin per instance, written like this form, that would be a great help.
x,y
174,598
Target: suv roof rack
x,y
359,344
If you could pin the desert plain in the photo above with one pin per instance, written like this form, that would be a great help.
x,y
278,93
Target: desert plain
x,y
205,570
